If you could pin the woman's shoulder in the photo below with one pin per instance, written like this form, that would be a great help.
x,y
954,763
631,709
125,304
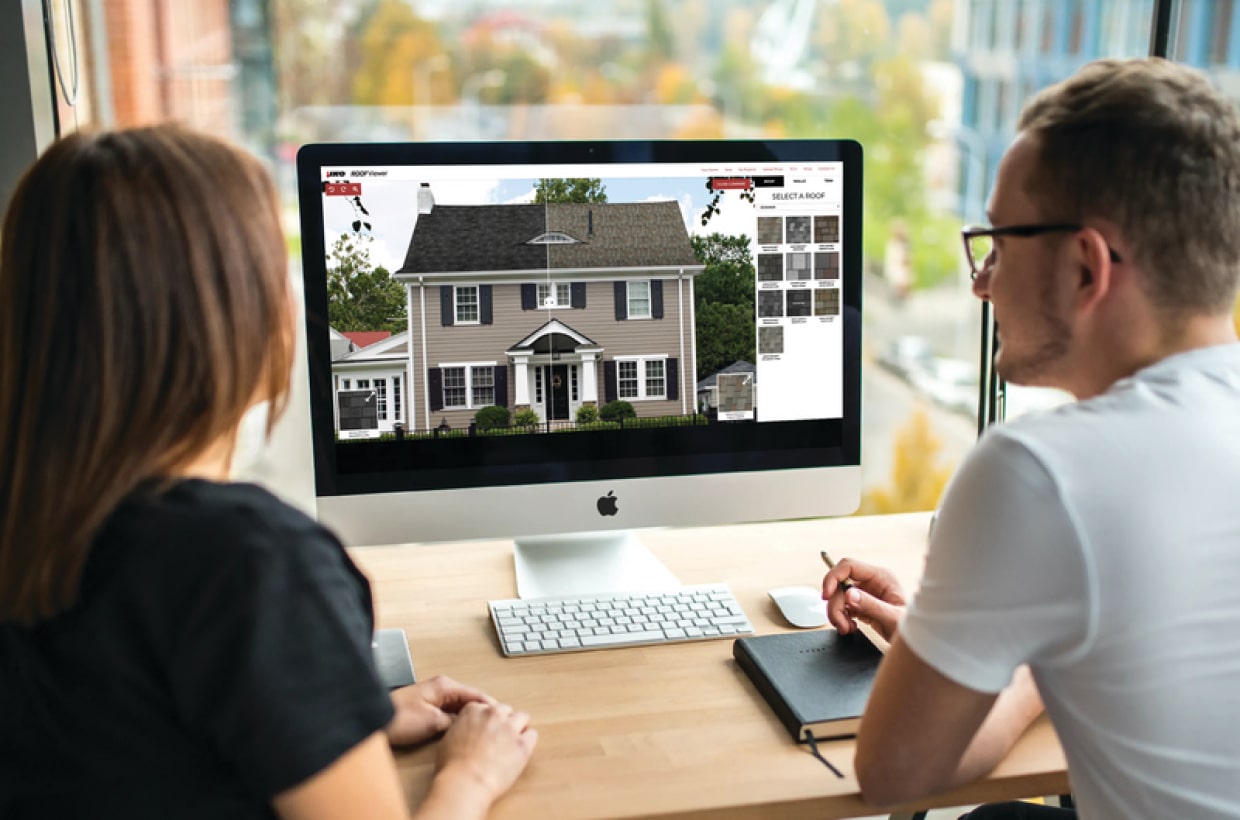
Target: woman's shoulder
x,y
196,523
214,506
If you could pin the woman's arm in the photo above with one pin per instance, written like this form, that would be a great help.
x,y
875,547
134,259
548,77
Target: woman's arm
x,y
480,758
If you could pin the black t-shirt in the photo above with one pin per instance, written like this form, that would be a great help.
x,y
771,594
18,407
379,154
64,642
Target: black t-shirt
x,y
219,653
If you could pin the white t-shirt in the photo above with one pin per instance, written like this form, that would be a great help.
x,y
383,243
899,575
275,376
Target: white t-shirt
x,y
1100,544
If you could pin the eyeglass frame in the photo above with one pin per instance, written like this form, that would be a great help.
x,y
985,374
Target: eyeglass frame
x,y
1033,229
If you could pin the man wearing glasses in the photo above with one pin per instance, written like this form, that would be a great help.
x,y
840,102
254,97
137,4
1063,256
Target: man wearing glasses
x,y
1088,558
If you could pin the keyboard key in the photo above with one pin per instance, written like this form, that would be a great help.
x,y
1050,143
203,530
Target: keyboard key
x,y
618,640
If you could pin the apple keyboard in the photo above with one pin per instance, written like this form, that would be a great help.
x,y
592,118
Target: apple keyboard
x,y
541,626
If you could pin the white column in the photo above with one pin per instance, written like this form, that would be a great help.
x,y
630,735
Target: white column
x,y
589,380
521,373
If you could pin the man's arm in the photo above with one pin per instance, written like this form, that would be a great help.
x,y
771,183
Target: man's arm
x,y
923,733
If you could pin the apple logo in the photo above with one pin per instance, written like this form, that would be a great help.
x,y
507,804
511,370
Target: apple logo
x,y
607,504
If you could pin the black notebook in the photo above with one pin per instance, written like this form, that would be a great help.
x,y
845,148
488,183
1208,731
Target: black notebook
x,y
817,680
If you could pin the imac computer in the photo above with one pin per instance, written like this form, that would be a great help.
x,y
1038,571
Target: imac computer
x,y
562,343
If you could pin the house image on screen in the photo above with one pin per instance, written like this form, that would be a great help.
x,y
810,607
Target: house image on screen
x,y
548,307
370,381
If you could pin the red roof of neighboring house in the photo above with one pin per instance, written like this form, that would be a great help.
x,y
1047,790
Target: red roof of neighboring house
x,y
365,338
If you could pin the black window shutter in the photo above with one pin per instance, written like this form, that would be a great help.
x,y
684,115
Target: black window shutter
x,y
501,385
485,305
610,388
656,298
622,301
529,297
434,384
672,373
447,305
578,294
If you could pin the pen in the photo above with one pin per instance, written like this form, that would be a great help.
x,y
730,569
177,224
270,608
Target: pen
x,y
826,559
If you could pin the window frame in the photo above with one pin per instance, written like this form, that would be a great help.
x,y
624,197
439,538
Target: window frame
x,y
554,291
458,304
468,386
642,377
628,300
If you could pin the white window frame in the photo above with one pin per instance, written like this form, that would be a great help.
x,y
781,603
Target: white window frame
x,y
476,376
380,385
632,314
468,368
458,304
555,294
463,387
643,376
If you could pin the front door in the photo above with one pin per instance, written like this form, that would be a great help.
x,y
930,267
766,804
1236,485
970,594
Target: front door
x,y
557,392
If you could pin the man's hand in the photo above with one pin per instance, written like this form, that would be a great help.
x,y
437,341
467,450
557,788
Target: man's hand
x,y
874,598
425,709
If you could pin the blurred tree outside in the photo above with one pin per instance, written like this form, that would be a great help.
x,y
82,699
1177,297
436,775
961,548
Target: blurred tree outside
x,y
526,73
361,296
917,479
872,89
579,189
674,85
309,51
660,36
398,49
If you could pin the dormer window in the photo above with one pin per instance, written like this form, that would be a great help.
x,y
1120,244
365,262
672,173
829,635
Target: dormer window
x,y
554,238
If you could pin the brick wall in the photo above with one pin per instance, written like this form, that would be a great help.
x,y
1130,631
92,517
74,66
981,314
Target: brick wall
x,y
170,59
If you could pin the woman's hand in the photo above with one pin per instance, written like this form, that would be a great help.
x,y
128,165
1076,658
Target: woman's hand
x,y
428,708
486,749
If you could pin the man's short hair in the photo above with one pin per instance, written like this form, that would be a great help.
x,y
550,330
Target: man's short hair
x,y
1151,146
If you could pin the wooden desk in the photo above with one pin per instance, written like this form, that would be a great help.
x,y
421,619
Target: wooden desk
x,y
673,730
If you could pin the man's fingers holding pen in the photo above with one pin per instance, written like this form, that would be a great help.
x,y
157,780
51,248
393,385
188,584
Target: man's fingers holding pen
x,y
879,582
877,598
863,607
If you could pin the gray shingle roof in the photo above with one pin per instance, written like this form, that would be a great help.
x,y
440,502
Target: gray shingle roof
x,y
476,238
738,366
494,237
626,235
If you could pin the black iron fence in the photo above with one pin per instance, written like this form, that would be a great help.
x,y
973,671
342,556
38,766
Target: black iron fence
x,y
445,431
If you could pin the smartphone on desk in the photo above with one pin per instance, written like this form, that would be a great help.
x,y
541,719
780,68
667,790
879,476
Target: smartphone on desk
x,y
392,660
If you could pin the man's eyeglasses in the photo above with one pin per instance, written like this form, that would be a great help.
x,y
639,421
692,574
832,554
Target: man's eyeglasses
x,y
979,242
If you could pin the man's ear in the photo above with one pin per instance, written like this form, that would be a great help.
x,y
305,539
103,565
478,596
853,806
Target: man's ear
x,y
1096,268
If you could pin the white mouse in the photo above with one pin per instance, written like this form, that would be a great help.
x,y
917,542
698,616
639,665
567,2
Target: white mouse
x,y
801,606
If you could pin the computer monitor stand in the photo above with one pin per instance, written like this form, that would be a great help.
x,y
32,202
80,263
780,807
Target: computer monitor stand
x,y
587,563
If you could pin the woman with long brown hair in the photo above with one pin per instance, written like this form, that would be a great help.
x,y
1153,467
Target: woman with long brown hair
x,y
173,644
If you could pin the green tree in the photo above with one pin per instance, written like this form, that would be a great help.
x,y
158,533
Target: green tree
x,y
578,189
362,296
729,274
725,334
723,302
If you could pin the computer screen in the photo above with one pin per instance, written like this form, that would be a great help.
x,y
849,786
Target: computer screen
x,y
525,339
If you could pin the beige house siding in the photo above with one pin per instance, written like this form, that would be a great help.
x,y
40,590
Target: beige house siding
x,y
459,344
